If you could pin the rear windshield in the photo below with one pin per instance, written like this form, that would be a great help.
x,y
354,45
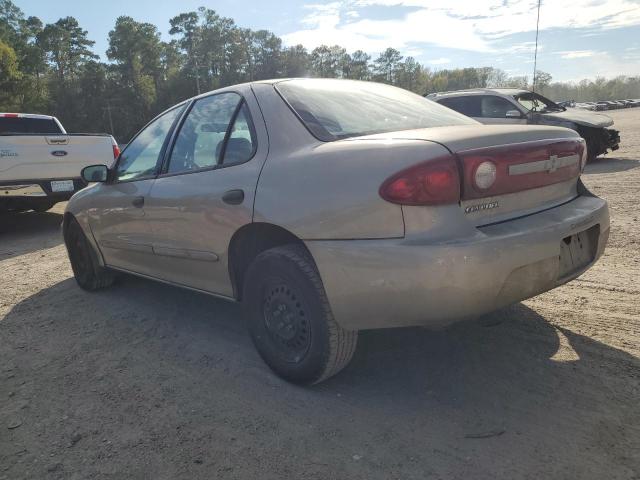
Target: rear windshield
x,y
28,125
335,109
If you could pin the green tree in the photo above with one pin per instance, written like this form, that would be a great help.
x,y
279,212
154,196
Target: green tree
x,y
359,68
136,49
542,80
9,76
409,74
386,65
66,47
295,62
323,63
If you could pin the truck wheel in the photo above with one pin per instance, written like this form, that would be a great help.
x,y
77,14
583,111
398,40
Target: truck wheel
x,y
42,206
290,319
87,271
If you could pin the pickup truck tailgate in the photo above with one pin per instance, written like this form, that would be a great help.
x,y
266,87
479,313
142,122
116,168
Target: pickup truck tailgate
x,y
28,156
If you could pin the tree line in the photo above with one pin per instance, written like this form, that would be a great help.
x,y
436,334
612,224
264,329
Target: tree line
x,y
52,68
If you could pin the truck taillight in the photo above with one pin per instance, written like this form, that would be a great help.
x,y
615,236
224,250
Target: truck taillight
x,y
116,151
434,182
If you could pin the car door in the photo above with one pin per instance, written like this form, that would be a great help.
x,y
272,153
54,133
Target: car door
x,y
205,191
499,110
117,218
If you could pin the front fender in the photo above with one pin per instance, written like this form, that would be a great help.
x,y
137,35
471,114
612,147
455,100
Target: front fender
x,y
554,122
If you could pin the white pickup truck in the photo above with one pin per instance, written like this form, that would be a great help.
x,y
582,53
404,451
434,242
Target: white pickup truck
x,y
40,163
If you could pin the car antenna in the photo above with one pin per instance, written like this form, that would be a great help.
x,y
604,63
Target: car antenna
x,y
535,54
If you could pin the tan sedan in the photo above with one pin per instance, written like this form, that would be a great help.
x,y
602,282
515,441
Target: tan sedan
x,y
331,206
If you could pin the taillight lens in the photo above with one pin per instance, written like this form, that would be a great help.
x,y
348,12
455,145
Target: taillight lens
x,y
116,151
585,156
435,182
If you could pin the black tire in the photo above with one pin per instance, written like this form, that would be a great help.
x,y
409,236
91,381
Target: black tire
x,y
290,319
42,207
87,271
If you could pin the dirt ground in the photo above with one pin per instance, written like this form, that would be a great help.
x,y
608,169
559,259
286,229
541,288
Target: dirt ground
x,y
148,381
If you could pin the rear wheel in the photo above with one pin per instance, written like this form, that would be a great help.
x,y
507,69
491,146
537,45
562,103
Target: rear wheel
x,y
87,271
290,319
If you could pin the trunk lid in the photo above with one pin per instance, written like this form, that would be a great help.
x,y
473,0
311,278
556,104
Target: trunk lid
x,y
536,167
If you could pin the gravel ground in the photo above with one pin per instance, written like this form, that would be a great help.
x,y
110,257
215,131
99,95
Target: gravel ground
x,y
148,381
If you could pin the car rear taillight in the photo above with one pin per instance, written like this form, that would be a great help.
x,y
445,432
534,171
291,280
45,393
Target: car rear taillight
x,y
434,182
10,115
513,168
116,151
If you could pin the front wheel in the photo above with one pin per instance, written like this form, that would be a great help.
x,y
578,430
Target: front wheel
x,y
84,261
290,319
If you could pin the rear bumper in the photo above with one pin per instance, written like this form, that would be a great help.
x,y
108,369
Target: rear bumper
x,y
393,283
20,191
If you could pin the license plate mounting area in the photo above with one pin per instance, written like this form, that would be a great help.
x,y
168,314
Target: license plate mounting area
x,y
578,250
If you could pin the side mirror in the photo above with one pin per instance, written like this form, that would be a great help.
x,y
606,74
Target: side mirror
x,y
513,114
95,173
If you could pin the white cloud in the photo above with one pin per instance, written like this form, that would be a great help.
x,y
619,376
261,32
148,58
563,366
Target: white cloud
x,y
569,54
470,25
324,25
439,61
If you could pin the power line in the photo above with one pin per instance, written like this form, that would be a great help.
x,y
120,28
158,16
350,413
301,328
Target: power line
x,y
535,55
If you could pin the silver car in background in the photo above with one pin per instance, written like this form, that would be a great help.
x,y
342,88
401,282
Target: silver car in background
x,y
512,106
331,206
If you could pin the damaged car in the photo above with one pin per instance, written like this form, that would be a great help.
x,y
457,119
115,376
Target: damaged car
x,y
518,106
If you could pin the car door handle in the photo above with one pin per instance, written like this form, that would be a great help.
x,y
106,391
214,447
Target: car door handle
x,y
233,197
138,202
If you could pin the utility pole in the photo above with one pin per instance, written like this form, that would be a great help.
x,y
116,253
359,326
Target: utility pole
x,y
108,109
535,55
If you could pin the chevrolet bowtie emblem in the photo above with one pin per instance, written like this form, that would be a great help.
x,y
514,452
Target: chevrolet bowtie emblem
x,y
552,164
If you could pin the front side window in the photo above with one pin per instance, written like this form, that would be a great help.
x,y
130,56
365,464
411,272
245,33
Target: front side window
x,y
199,143
335,109
140,158
495,107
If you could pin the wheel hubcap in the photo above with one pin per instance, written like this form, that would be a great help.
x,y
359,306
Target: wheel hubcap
x,y
286,323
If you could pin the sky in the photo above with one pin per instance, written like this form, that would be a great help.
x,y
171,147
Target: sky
x,y
578,38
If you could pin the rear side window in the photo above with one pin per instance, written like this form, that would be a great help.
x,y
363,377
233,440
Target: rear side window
x,y
217,130
44,126
241,144
335,109
469,106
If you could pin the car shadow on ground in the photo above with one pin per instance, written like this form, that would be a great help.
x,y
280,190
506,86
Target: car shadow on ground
x,y
30,230
147,356
610,165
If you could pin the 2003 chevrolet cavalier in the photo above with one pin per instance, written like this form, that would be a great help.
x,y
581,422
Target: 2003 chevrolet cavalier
x,y
330,206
